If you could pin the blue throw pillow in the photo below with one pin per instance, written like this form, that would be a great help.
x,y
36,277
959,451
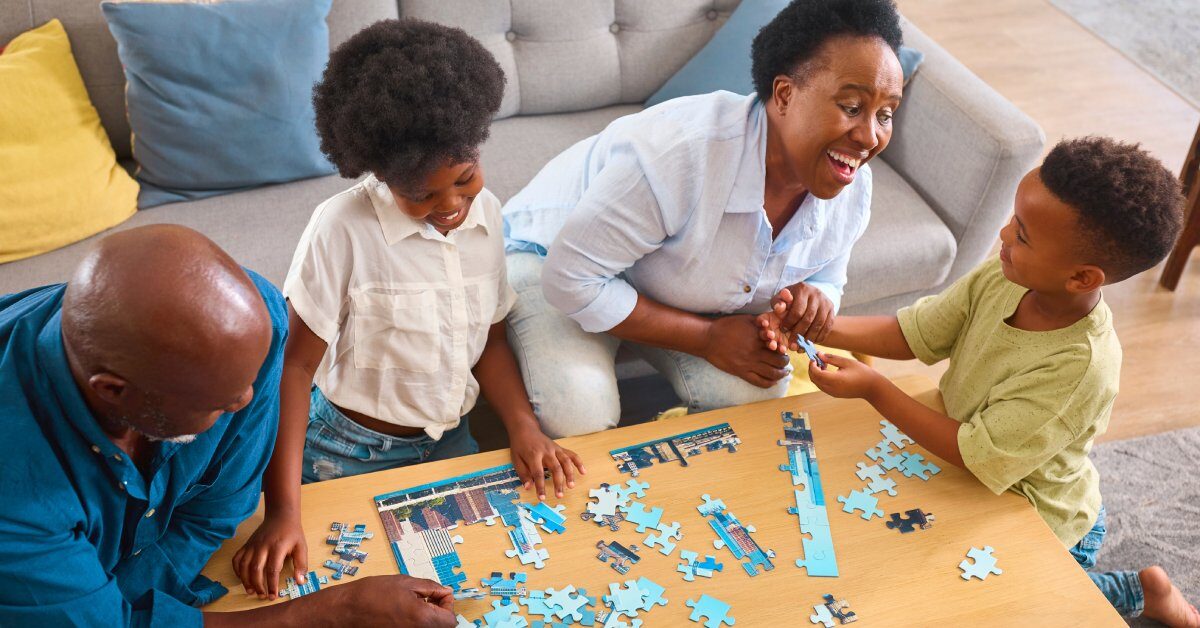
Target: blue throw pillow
x,y
724,63
219,95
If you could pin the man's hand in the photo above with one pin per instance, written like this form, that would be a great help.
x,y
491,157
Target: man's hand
x,y
533,452
733,345
802,309
396,601
260,560
851,379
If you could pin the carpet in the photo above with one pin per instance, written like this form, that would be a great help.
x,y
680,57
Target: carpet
x,y
1151,488
1162,36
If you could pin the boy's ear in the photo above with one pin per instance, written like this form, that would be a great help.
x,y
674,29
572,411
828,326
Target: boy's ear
x,y
1086,278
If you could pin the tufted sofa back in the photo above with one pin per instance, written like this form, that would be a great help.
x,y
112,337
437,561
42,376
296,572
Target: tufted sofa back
x,y
558,55
573,55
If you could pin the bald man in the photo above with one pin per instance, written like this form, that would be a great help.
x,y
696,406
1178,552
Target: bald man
x,y
138,409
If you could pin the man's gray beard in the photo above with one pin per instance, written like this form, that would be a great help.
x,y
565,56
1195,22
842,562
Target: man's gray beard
x,y
160,423
182,439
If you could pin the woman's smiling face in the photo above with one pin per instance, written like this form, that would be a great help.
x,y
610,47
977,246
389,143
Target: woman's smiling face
x,y
835,114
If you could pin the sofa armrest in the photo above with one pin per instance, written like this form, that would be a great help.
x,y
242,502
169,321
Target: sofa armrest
x,y
963,147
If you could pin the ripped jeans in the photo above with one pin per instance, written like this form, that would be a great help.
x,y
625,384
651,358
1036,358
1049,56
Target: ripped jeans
x,y
336,447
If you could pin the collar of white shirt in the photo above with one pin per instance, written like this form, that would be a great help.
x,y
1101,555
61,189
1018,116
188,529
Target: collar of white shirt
x,y
397,225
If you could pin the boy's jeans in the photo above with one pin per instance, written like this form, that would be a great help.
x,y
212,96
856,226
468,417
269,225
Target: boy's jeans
x,y
335,446
1122,588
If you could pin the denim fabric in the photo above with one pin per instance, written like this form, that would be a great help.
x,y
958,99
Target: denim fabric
x,y
570,374
336,447
1122,588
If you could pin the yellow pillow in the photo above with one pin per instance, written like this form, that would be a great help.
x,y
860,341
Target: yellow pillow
x,y
59,178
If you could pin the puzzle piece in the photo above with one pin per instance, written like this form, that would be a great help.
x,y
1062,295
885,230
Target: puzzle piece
x,y
662,540
618,556
637,514
735,536
627,601
504,614
505,588
882,485
915,518
882,453
869,472
523,538
470,593
810,350
821,616
463,623
631,488
538,603
568,603
713,610
984,565
651,593
893,436
606,504
312,584
915,465
861,500
341,568
690,567
832,609
551,519
877,482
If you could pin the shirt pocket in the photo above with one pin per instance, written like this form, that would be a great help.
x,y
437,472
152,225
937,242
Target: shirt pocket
x,y
396,331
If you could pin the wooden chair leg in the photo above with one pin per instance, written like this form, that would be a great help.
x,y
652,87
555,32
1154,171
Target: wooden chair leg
x,y
1190,238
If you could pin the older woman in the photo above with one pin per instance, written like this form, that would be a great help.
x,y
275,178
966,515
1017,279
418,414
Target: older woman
x,y
668,230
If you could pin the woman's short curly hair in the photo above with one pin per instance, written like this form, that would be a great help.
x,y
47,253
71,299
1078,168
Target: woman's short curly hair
x,y
1129,206
402,97
793,38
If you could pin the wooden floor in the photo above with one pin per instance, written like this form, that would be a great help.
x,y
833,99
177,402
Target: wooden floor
x,y
1073,83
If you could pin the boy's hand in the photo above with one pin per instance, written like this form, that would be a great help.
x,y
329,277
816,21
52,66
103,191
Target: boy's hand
x,y
805,310
852,379
258,562
533,452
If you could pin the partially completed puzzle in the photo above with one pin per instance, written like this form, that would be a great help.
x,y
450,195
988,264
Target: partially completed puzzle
x,y
819,558
679,448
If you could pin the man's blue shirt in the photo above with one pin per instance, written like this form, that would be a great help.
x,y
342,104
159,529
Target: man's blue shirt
x,y
87,539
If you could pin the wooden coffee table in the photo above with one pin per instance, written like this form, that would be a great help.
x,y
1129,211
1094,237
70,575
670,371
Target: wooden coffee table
x,y
889,579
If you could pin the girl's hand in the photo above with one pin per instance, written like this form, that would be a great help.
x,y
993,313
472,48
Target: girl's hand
x,y
851,379
534,453
258,562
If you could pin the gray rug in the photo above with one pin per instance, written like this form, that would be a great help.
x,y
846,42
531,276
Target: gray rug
x,y
1162,36
1151,488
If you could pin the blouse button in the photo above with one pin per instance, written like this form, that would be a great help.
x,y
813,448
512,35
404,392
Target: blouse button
x,y
614,28
746,289
510,36
711,15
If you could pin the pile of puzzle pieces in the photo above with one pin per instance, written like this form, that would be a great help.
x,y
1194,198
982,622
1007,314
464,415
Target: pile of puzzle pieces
x,y
884,458
345,542
819,558
614,505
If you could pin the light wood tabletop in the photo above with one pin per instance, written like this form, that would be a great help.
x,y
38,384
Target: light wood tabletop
x,y
889,579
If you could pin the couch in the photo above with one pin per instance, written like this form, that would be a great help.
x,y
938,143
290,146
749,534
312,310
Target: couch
x,y
942,189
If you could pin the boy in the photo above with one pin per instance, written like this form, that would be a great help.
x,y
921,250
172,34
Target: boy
x,y
1034,360
397,294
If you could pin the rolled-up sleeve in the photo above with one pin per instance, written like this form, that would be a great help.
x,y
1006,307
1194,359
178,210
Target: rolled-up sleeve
x,y
617,222
934,323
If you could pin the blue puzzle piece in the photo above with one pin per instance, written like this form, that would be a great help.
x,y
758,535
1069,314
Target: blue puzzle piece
x,y
915,465
503,587
637,514
551,519
861,500
893,436
501,613
627,601
713,610
538,603
984,565
631,489
651,593
810,350
662,540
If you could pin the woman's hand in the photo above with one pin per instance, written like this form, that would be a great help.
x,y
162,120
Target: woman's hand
x,y
805,310
733,345
851,379
258,562
533,453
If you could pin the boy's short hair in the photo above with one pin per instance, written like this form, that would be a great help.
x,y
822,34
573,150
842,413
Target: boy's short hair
x,y
790,40
403,97
1129,206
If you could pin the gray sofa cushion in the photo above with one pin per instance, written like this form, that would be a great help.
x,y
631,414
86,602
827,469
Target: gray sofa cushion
x,y
95,49
594,54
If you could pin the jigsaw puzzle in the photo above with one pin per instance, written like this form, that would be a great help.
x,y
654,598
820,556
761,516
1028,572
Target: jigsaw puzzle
x,y
863,501
637,514
810,350
340,568
618,556
691,567
819,558
713,610
830,610
735,536
984,565
915,465
550,519
893,436
913,519
675,448
663,539
503,587
312,584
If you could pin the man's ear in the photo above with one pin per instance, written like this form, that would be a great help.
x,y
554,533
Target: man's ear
x,y
1086,278
112,389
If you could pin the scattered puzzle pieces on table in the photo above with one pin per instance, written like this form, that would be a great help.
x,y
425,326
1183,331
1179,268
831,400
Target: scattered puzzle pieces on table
x,y
662,540
876,482
883,454
819,558
691,567
679,448
312,584
618,556
913,519
861,500
893,436
832,609
984,565
713,610
735,536
915,465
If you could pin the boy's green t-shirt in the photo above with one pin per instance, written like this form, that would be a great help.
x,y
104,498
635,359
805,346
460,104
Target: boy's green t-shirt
x,y
1030,403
